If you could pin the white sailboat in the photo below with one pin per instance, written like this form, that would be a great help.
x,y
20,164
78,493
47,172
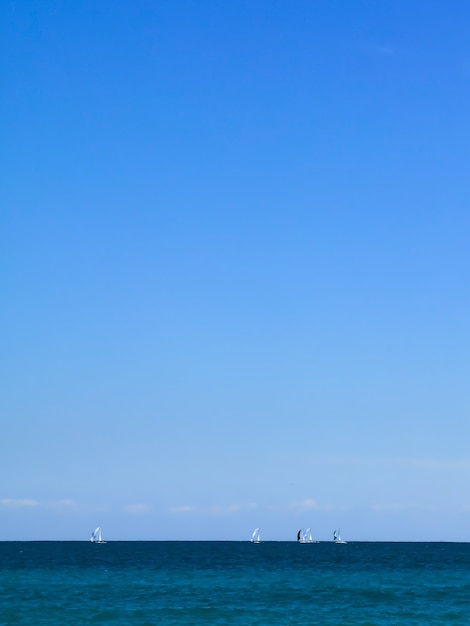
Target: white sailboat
x,y
305,536
337,537
308,536
96,536
256,537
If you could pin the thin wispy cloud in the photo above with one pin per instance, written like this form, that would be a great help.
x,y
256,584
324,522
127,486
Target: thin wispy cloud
x,y
309,504
391,507
304,505
215,509
407,462
64,505
11,503
231,508
136,509
382,49
439,464
185,508
54,505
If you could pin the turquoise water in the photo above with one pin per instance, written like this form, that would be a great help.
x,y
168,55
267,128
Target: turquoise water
x,y
150,583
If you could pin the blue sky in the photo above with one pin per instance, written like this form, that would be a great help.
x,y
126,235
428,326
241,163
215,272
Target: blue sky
x,y
235,251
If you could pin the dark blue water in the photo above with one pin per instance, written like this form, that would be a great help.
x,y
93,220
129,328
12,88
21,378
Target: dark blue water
x,y
150,583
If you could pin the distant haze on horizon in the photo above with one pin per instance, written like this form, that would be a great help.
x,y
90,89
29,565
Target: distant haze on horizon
x,y
235,270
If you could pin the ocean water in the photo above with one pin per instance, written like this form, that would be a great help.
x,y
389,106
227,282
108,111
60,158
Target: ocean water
x,y
273,583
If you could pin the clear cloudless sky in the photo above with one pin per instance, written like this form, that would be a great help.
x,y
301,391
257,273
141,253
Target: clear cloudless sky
x,y
234,243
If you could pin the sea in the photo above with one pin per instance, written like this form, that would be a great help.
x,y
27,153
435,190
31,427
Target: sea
x,y
140,583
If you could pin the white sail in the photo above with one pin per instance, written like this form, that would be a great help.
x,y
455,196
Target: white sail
x,y
337,537
305,536
96,536
308,536
256,537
